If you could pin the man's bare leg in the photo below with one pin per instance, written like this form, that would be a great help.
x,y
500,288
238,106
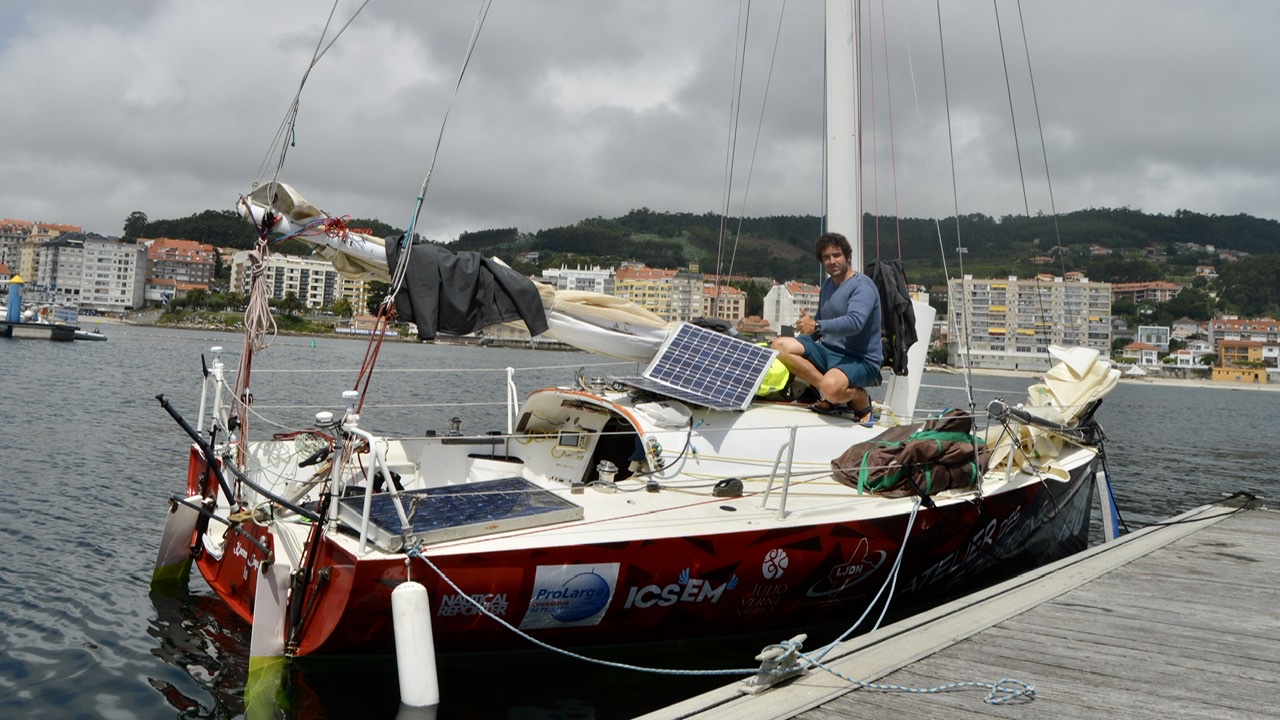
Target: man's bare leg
x,y
791,354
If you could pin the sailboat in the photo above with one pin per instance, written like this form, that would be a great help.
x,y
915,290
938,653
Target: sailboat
x,y
666,504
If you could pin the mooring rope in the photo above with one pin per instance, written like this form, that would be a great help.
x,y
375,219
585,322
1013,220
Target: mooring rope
x,y
415,553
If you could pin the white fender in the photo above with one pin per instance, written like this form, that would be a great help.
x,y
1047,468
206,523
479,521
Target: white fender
x,y
415,646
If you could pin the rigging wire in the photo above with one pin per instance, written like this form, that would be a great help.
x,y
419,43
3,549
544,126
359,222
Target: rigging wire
x,y
875,138
893,154
1017,147
1013,118
257,318
731,141
1053,208
387,309
773,58
1044,153
966,324
928,166
286,135
406,242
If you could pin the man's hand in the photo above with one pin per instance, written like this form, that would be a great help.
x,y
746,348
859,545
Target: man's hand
x,y
806,325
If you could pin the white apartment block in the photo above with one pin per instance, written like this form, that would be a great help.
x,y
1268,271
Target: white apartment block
x,y
1008,323
90,271
595,279
785,303
313,280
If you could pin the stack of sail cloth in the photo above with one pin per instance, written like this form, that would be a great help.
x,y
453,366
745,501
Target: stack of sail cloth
x,y
921,459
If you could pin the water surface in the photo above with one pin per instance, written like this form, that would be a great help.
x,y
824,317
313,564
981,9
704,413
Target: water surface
x,y
88,459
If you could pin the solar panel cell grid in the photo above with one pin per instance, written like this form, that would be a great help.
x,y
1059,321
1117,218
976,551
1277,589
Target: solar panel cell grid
x,y
706,368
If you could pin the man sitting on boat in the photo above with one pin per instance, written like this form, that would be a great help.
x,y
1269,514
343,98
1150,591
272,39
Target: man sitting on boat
x,y
840,351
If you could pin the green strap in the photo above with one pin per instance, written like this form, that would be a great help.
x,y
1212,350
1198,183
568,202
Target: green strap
x,y
945,436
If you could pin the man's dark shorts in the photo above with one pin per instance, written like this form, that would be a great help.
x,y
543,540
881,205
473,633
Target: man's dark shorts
x,y
860,372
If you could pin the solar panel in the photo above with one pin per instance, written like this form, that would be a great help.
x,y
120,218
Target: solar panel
x,y
704,367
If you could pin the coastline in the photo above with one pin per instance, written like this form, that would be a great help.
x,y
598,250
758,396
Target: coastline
x,y
935,369
1176,382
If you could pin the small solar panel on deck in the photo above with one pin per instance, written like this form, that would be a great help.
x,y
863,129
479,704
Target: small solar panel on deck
x,y
458,511
706,368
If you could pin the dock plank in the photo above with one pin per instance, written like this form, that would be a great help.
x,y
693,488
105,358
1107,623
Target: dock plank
x,y
1172,622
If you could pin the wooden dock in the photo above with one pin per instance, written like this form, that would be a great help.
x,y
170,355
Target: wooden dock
x,y
1179,620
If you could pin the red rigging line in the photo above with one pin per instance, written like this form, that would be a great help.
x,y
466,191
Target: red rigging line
x,y
893,156
336,227
386,313
875,156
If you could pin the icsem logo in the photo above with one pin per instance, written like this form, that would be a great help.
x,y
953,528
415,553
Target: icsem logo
x,y
685,589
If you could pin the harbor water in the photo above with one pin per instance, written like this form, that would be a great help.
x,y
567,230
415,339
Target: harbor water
x,y
88,460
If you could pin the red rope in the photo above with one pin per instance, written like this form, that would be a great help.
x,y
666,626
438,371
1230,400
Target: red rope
x,y
386,312
336,227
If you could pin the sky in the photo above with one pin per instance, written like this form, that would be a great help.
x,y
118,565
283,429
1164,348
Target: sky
x,y
572,109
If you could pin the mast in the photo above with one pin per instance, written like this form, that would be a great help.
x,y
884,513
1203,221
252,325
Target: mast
x,y
843,201
843,176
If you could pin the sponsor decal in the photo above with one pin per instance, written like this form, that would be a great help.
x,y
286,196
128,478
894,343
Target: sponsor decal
x,y
455,604
763,599
685,589
861,564
975,554
570,595
775,563
250,563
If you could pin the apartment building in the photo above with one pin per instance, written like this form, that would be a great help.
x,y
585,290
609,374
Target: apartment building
x,y
786,302
1009,323
314,281
1265,329
13,233
724,302
671,294
94,272
594,279
1156,291
184,261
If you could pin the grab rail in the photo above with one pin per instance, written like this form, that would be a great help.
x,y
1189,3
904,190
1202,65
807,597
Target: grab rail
x,y
790,447
379,465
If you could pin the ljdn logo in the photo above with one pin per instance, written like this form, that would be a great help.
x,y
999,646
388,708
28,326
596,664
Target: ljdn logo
x,y
685,589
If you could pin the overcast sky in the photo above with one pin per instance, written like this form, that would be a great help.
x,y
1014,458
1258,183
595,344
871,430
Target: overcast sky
x,y
579,108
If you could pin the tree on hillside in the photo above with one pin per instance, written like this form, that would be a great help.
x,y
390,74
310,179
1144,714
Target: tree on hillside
x,y
1123,270
1252,287
221,228
1191,302
755,291
135,224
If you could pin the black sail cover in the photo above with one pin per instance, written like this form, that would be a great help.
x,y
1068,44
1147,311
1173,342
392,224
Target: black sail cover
x,y
460,293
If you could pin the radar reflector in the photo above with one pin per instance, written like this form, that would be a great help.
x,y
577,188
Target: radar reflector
x,y
707,368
